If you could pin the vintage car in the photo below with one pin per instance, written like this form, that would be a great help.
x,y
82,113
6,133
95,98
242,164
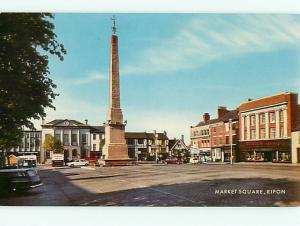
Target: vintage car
x,y
19,179
173,161
79,162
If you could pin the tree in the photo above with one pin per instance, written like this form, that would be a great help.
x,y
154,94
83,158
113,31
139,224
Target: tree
x,y
51,144
26,41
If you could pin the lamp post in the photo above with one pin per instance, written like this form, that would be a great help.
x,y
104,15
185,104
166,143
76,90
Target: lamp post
x,y
230,135
156,148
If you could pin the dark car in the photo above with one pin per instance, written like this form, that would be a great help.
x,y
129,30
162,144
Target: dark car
x,y
173,161
19,179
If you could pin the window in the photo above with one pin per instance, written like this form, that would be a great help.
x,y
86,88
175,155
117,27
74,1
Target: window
x,y
245,134
272,133
253,134
262,119
66,139
262,133
140,141
281,116
252,120
220,140
272,117
281,129
57,137
227,140
83,139
94,147
74,139
94,136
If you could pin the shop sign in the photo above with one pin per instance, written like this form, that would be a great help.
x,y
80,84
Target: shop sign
x,y
265,143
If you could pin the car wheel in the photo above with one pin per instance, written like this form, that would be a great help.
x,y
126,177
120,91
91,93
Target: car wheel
x,y
72,165
86,164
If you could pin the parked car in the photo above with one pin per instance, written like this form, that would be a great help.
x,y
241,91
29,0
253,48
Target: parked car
x,y
173,161
80,162
19,179
194,160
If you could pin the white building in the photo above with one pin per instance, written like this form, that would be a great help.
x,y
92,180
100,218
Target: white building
x,y
79,139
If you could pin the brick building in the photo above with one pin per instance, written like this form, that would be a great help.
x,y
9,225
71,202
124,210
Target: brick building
x,y
266,126
213,138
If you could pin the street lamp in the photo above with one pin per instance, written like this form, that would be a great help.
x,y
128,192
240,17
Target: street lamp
x,y
230,135
156,148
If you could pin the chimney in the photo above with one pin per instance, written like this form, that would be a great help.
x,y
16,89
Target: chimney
x,y
206,117
43,121
86,121
182,138
222,111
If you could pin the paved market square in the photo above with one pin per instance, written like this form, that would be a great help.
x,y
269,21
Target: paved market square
x,y
164,185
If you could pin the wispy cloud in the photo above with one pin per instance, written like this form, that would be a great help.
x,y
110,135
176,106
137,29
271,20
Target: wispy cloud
x,y
91,77
215,37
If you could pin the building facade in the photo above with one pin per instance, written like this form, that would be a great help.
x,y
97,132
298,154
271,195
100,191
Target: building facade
x,y
30,144
145,146
296,144
80,140
97,141
266,126
216,139
178,148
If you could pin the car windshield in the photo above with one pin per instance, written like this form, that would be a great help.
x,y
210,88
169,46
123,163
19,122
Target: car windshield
x,y
31,173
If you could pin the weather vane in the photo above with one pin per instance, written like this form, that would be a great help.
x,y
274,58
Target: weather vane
x,y
114,29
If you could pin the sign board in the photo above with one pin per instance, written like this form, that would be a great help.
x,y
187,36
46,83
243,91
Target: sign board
x,y
13,160
27,157
56,157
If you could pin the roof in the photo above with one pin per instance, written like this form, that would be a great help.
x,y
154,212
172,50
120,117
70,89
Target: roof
x,y
174,142
59,121
267,101
145,135
97,129
233,114
74,123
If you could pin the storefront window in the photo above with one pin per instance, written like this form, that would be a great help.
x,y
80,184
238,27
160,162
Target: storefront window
x,y
284,156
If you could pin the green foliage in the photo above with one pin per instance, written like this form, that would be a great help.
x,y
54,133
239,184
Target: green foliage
x,y
51,144
26,40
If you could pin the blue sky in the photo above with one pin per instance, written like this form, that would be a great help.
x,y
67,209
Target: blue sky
x,y
173,67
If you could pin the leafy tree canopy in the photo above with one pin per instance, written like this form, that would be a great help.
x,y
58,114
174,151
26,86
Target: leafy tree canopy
x,y
51,144
26,41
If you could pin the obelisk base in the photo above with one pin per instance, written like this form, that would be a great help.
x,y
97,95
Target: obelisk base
x,y
116,154
117,162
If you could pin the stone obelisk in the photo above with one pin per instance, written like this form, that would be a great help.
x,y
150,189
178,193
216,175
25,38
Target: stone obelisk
x,y
115,150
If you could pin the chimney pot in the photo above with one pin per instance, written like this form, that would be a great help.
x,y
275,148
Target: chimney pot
x,y
206,117
86,121
222,111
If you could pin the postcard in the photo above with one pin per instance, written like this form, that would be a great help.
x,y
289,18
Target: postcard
x,y
149,109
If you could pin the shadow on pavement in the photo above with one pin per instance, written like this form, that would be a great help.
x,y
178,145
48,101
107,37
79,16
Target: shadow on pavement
x,y
59,190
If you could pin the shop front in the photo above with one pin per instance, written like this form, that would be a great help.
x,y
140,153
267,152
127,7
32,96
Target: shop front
x,y
227,153
266,151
